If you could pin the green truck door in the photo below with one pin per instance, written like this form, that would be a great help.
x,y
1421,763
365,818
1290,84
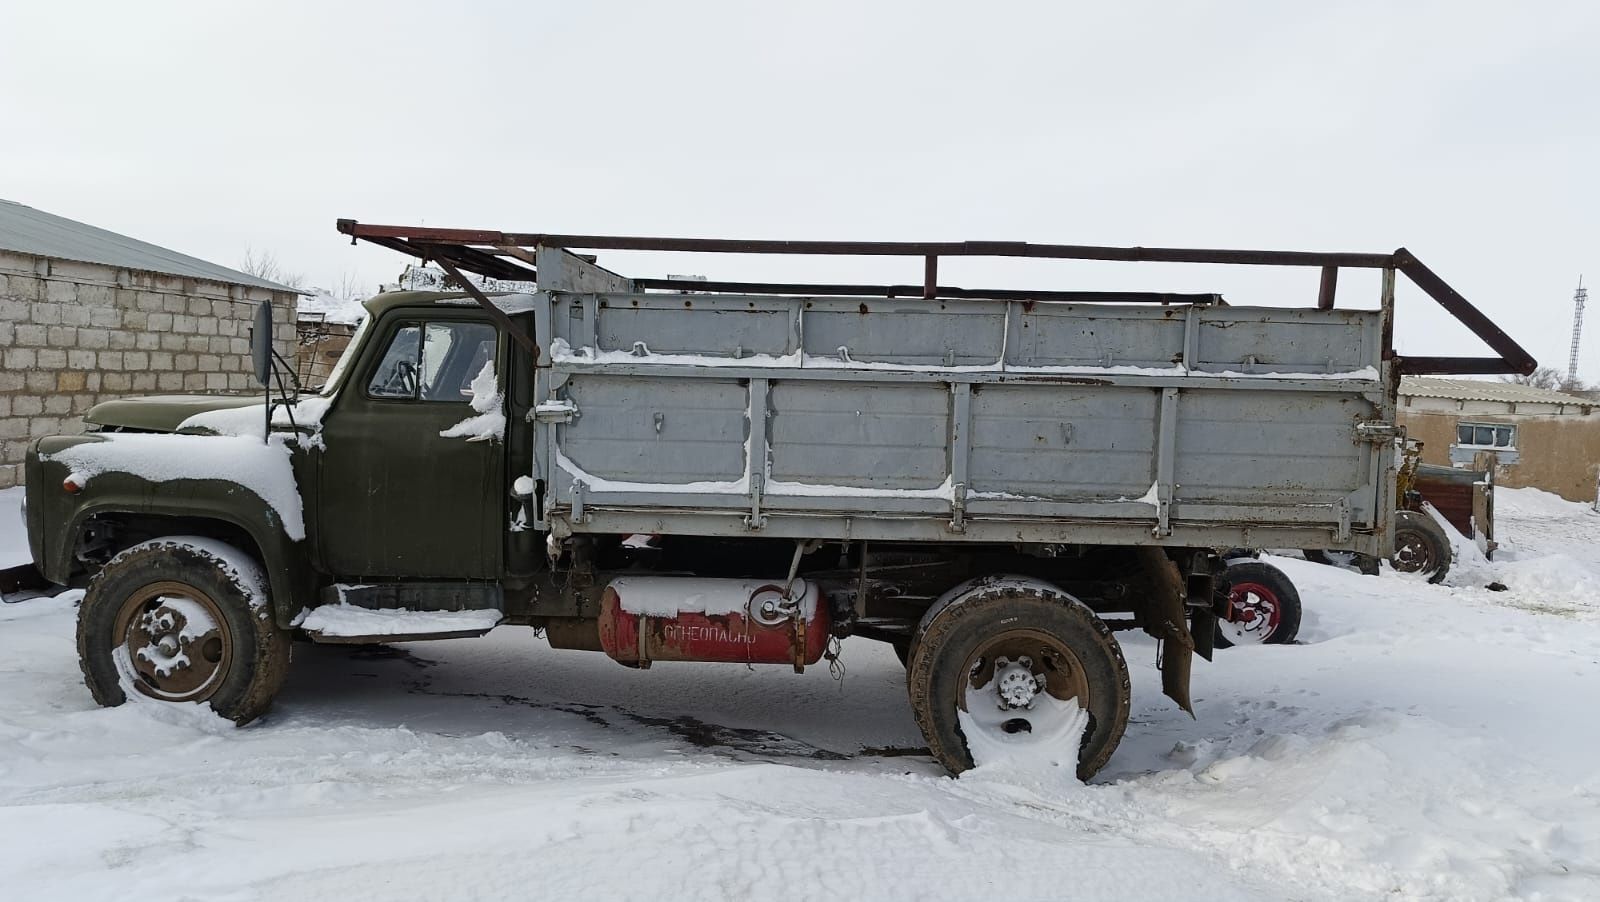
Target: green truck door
x,y
396,498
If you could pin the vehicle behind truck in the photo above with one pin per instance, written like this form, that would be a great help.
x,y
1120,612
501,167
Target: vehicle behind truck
x,y
993,481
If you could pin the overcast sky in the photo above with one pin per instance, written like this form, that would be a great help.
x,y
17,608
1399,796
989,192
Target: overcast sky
x,y
1465,131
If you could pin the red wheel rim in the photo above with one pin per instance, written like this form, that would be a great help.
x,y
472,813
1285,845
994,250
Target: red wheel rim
x,y
1253,612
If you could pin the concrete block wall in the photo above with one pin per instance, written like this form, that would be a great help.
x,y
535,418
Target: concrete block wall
x,y
74,334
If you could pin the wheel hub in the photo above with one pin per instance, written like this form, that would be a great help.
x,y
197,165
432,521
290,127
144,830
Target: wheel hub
x,y
1015,682
1254,612
175,642
1412,556
1026,693
1016,666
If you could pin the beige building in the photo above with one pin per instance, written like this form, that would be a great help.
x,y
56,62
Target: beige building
x,y
1534,436
87,314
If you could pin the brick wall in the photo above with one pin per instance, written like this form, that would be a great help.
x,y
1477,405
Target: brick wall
x,y
74,334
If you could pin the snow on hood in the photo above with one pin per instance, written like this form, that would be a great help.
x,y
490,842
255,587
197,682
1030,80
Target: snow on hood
x,y
251,421
262,467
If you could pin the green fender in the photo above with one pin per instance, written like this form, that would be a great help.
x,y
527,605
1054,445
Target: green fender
x,y
56,519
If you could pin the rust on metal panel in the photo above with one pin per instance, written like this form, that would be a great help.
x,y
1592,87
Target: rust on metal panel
x,y
930,277
1055,380
367,230
1452,498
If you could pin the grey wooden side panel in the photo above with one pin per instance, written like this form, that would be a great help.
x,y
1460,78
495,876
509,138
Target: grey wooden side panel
x,y
861,434
1063,442
657,430
704,331
1270,340
1289,447
1095,335
907,332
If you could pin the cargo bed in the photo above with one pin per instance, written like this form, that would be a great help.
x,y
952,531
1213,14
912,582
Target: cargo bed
x,y
977,420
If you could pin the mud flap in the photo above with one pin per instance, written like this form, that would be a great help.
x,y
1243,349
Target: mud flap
x,y
1207,602
1167,620
1203,627
24,583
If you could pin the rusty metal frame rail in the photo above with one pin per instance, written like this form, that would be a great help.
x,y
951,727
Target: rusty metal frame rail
x,y
502,255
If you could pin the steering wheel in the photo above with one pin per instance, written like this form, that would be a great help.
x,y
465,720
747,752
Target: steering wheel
x,y
402,380
407,371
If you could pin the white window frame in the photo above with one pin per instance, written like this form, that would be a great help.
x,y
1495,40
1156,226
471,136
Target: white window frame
x,y
1490,447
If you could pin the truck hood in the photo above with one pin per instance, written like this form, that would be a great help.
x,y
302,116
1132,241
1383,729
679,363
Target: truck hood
x,y
161,413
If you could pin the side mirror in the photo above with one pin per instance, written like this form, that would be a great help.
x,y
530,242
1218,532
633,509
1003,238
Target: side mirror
x,y
261,344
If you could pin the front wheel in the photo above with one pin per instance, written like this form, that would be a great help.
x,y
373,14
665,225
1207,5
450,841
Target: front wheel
x,y
1017,670
182,619
1263,606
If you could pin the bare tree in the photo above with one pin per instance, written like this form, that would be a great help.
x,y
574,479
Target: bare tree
x,y
1547,377
349,287
265,265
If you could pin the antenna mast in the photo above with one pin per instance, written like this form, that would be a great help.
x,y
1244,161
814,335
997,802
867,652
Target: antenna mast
x,y
1578,300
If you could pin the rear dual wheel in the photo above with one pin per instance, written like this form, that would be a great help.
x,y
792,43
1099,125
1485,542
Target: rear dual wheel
x,y
1019,666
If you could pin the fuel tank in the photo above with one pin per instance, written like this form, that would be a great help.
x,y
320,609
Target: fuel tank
x,y
672,618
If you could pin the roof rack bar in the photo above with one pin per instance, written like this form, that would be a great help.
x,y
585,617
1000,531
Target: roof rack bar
x,y
868,248
920,292
1328,287
1459,307
487,252
1423,366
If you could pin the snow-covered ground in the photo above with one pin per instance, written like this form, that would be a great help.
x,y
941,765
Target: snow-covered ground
x,y
1426,742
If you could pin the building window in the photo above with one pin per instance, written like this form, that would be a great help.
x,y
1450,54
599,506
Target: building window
x,y
1490,436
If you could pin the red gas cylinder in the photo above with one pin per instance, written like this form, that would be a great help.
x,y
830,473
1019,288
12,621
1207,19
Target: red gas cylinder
x,y
677,618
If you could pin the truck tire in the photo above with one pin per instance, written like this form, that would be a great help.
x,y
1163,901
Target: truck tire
x,y
182,619
1420,546
959,648
1267,599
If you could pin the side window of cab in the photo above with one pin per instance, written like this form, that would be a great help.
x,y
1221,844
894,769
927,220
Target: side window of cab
x,y
433,361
